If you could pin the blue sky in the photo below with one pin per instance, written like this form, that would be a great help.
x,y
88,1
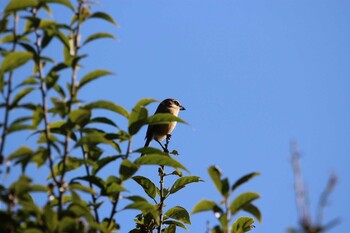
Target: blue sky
x,y
253,76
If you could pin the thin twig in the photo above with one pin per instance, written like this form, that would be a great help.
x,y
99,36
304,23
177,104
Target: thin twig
x,y
114,209
93,197
43,90
300,191
162,174
76,35
9,92
332,181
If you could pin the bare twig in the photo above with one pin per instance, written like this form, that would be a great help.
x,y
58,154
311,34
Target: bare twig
x,y
302,201
300,191
332,181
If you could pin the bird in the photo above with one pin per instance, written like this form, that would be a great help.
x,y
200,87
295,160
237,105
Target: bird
x,y
163,131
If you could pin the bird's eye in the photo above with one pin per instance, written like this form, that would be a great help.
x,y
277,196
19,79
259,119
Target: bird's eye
x,y
176,103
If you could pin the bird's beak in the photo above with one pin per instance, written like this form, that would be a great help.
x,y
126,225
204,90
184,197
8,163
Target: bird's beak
x,y
182,108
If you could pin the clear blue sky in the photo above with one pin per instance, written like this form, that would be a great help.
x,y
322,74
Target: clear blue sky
x,y
253,75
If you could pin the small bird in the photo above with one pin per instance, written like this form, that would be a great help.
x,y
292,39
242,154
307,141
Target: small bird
x,y
162,131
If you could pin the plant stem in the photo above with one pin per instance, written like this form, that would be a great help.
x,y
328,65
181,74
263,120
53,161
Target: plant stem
x,y
114,209
162,197
93,197
8,94
43,90
76,35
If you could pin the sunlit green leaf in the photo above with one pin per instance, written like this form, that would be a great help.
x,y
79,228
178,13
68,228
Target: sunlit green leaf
x,y
253,210
21,95
50,218
127,169
207,205
104,16
103,104
242,224
164,118
95,180
103,162
80,187
79,116
242,200
215,175
244,179
179,213
66,3
156,159
14,60
23,151
93,76
95,138
148,186
174,223
103,120
67,224
145,207
183,181
171,228
98,35
15,5
137,119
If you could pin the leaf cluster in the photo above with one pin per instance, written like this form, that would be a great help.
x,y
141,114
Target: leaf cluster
x,y
227,209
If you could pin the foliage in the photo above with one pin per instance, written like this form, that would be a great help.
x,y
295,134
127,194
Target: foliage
x,y
226,210
71,135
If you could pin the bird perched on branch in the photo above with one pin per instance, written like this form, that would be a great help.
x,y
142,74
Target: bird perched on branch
x,y
163,131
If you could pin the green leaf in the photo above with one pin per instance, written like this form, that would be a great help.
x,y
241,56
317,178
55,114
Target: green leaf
x,y
93,180
15,5
215,174
14,60
102,104
67,224
104,16
164,118
98,35
79,116
244,179
170,229
242,200
145,207
38,115
144,102
33,230
174,224
207,205
156,159
23,151
137,119
20,96
78,186
147,185
103,120
66,3
95,138
182,182
103,162
179,213
50,218
92,76
127,169
242,224
253,210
